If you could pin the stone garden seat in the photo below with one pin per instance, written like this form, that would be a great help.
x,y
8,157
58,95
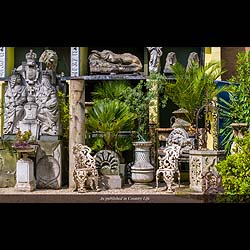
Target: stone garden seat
x,y
175,152
168,166
85,173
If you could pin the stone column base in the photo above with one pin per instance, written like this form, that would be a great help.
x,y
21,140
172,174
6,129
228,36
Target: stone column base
x,y
25,180
26,187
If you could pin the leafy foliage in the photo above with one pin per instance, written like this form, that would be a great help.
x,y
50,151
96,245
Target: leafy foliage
x,y
138,98
23,139
237,109
109,117
63,107
194,87
235,172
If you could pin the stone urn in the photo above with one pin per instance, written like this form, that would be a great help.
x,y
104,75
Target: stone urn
x,y
178,120
142,172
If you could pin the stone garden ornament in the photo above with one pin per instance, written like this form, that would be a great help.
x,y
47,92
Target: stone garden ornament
x,y
30,101
108,62
170,61
154,61
85,173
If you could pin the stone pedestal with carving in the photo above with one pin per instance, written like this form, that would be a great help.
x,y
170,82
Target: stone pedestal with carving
x,y
142,171
49,165
201,162
108,165
25,180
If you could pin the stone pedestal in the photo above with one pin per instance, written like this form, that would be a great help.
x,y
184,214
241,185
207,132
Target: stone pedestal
x,y
25,180
49,165
201,162
108,165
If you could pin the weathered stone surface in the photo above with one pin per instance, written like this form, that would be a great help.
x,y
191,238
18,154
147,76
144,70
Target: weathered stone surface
x,y
110,182
154,61
201,162
30,99
25,180
49,165
106,62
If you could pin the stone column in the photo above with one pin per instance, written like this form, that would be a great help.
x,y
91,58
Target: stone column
x,y
2,88
153,118
76,121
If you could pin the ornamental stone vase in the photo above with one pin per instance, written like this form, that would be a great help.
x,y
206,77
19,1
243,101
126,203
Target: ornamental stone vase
x,y
142,172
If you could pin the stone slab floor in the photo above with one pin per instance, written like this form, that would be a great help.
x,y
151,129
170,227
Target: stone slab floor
x,y
127,194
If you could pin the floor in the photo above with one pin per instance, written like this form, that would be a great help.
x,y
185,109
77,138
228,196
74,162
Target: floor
x,y
127,194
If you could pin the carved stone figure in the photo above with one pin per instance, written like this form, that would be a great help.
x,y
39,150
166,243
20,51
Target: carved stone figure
x,y
107,61
192,59
30,69
170,61
154,61
14,99
47,113
50,59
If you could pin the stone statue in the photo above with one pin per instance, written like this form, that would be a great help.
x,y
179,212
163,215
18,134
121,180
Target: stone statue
x,y
31,98
46,99
170,61
14,99
50,59
192,59
154,61
107,62
29,69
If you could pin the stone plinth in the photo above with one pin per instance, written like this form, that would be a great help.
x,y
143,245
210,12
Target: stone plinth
x,y
110,182
201,162
25,180
49,165
108,165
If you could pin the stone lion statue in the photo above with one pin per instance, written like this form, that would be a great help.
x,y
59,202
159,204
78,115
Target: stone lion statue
x,y
50,59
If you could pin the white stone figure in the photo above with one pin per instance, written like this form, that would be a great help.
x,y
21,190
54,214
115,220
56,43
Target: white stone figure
x,y
14,99
170,61
193,58
30,69
154,61
47,113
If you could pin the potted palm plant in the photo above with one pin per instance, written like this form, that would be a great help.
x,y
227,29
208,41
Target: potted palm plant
x,y
108,124
195,90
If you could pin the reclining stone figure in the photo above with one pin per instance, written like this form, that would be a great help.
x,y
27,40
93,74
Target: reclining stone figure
x,y
107,61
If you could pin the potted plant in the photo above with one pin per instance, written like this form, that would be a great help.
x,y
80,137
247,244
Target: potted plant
x,y
193,89
107,119
108,116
